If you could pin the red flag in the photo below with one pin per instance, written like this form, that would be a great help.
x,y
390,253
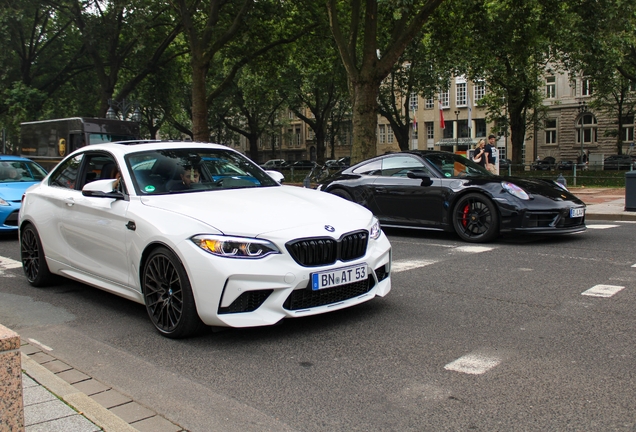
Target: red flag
x,y
441,116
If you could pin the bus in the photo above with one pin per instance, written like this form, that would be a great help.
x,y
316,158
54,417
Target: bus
x,y
48,141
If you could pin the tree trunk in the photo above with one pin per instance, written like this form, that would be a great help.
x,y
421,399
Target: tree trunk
x,y
365,120
200,128
517,134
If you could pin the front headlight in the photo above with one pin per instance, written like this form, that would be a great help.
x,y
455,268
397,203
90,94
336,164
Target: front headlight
x,y
3,202
235,247
375,230
515,190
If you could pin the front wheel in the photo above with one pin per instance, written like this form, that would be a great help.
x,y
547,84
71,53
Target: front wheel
x,y
168,295
32,255
475,218
342,194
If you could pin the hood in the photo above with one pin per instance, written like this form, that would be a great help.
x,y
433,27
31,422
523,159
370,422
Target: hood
x,y
256,211
544,188
13,191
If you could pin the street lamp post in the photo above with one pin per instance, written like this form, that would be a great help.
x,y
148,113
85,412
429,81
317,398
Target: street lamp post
x,y
456,130
582,111
124,107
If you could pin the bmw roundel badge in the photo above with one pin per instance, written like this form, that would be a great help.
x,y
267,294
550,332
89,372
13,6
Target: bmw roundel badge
x,y
329,228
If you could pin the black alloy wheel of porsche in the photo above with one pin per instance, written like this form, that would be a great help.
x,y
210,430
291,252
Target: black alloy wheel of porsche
x,y
342,194
168,295
32,255
475,218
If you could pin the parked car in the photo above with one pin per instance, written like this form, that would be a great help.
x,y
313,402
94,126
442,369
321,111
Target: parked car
x,y
274,163
229,251
303,164
566,165
17,174
619,162
548,163
444,191
504,165
344,161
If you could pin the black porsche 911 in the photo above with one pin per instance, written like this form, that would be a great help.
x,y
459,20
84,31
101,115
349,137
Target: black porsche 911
x,y
447,192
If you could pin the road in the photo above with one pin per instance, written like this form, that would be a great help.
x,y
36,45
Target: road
x,y
502,336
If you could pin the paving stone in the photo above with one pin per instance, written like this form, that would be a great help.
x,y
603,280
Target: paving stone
x,y
156,424
91,387
110,398
73,376
75,423
132,412
27,381
29,349
41,357
56,366
46,411
35,395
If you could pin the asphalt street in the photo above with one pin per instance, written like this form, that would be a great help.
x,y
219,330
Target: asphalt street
x,y
525,333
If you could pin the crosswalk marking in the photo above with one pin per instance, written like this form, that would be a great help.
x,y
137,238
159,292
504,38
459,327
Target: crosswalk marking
x,y
400,266
601,226
602,290
474,249
473,364
8,263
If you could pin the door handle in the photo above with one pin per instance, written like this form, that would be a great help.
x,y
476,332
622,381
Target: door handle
x,y
69,201
380,190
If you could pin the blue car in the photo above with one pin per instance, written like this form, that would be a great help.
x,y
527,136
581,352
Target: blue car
x,y
17,174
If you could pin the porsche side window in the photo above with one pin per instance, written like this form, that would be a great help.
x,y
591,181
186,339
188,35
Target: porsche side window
x,y
399,166
371,168
65,175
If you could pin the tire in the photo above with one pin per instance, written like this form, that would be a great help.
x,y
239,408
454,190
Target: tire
x,y
475,218
168,295
33,260
342,194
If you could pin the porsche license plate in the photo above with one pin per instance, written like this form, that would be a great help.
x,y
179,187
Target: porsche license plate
x,y
340,276
577,212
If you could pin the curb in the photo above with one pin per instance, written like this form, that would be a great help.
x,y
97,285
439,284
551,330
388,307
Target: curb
x,y
76,399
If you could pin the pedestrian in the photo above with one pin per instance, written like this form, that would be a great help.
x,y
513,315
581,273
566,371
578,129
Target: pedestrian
x,y
490,159
479,154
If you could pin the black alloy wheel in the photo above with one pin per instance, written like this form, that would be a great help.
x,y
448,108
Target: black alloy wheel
x,y
32,255
475,218
168,295
342,194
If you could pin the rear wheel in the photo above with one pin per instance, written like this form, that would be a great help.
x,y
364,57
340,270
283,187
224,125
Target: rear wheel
x,y
168,295
475,218
32,255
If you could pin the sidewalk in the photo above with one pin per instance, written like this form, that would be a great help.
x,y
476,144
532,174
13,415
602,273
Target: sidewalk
x,y
604,203
58,397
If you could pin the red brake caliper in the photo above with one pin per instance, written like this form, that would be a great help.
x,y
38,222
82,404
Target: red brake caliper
x,y
465,215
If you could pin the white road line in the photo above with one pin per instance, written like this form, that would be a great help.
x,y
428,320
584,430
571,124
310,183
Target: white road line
x,y
400,266
473,249
474,364
599,226
41,345
633,265
8,263
602,290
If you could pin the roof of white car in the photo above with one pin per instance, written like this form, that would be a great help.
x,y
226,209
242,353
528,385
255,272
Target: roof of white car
x,y
126,147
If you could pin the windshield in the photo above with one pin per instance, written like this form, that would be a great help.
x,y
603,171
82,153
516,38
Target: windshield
x,y
455,166
21,171
194,170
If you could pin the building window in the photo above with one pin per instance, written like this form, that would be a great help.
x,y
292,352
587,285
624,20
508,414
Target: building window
x,y
550,127
586,87
414,136
460,94
291,115
586,126
297,137
430,131
413,101
462,128
389,134
627,131
448,131
550,87
480,128
429,104
479,91
444,98
382,134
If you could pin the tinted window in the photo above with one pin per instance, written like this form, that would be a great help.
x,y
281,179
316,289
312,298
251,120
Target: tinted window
x,y
65,175
452,165
398,166
371,168
21,171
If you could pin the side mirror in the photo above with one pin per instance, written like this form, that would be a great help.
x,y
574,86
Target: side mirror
x,y
420,174
102,189
279,177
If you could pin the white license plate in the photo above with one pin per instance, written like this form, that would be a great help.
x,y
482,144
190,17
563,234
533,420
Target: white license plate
x,y
340,276
577,212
